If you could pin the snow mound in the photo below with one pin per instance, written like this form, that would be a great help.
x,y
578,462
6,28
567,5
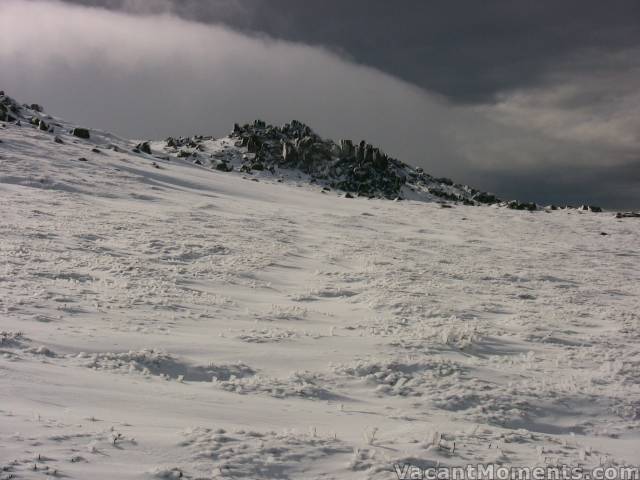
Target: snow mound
x,y
400,378
260,455
153,362
302,384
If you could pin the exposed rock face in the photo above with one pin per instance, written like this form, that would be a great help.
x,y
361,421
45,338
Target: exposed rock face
x,y
81,133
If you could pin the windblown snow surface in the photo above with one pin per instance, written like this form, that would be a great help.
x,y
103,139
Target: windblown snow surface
x,y
173,321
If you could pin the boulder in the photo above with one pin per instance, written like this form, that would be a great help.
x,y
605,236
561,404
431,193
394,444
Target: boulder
x,y
81,133
590,208
484,197
516,205
223,167
144,147
444,181
628,215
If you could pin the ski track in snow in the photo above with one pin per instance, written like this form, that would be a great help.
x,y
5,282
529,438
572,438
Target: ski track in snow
x,y
179,322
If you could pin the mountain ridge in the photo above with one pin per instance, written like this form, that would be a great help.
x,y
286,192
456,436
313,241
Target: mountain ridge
x,y
259,149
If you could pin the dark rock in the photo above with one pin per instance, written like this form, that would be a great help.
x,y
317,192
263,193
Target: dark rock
x,y
253,144
604,233
291,155
380,160
368,154
95,150
628,215
43,126
360,152
515,205
346,149
224,167
348,195
484,197
81,133
35,107
144,147
590,208
444,180
82,159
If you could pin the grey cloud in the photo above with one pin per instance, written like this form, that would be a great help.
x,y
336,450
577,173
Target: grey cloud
x,y
466,50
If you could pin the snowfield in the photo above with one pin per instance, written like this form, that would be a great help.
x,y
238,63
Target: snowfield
x,y
164,320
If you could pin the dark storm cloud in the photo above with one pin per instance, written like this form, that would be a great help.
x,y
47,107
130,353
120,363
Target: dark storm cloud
x,y
528,102
464,49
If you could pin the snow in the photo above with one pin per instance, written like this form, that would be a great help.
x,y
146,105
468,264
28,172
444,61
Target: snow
x,y
180,322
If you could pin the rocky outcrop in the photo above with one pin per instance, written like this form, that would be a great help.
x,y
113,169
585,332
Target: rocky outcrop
x,y
9,109
360,169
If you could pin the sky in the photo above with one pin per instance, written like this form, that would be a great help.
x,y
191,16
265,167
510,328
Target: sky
x,y
530,100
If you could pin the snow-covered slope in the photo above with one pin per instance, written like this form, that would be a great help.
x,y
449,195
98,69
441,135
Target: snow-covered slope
x,y
163,319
